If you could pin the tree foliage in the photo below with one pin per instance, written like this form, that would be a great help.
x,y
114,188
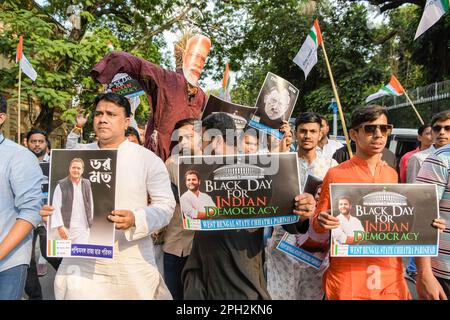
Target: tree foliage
x,y
63,56
363,53
254,36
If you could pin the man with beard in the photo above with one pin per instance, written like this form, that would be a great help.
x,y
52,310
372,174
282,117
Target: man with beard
x,y
37,143
173,95
177,240
327,147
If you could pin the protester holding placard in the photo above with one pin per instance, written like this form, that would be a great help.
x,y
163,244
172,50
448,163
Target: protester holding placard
x,y
288,278
368,277
177,240
227,264
132,273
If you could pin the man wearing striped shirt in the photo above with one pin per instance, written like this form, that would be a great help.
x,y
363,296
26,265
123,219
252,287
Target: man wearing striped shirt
x,y
435,170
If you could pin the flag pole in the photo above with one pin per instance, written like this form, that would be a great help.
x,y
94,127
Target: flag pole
x,y
18,106
414,108
336,96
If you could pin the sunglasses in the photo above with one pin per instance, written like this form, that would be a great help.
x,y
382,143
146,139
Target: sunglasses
x,y
438,128
370,129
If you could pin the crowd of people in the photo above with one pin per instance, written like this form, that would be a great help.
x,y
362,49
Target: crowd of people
x,y
156,258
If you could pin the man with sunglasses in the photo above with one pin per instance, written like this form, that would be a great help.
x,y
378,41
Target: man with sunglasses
x,y
425,139
379,278
440,132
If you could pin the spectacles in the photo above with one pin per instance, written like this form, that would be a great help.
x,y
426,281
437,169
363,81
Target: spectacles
x,y
370,129
438,128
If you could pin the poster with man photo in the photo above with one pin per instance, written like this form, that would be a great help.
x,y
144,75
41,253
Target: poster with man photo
x,y
238,191
82,193
384,220
240,114
276,101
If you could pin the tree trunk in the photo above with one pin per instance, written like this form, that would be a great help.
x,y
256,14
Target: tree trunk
x,y
45,119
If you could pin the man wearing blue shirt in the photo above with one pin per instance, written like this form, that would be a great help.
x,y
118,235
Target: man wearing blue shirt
x,y
20,201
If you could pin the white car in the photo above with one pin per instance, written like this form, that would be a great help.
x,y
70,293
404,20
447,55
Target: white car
x,y
401,141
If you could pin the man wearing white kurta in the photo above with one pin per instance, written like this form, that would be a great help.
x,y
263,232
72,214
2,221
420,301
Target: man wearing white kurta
x,y
288,278
132,274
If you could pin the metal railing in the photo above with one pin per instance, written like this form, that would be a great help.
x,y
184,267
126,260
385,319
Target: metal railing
x,y
437,91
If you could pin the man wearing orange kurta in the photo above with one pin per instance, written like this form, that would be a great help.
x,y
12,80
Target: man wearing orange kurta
x,y
363,277
378,278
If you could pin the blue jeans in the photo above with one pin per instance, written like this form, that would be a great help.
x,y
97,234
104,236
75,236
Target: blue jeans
x,y
173,265
412,266
12,282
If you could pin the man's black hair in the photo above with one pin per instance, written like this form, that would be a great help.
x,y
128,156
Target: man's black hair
x,y
3,104
422,128
220,121
323,118
366,114
49,144
441,116
115,98
131,131
37,131
185,122
308,117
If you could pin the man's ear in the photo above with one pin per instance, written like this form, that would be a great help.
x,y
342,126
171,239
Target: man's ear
x,y
2,118
353,133
320,134
127,122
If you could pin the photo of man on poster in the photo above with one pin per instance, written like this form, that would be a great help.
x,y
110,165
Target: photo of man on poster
x,y
74,205
193,202
344,234
276,103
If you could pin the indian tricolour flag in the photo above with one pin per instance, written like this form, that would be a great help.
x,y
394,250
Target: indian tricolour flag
x,y
306,57
24,64
225,90
393,88
434,10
